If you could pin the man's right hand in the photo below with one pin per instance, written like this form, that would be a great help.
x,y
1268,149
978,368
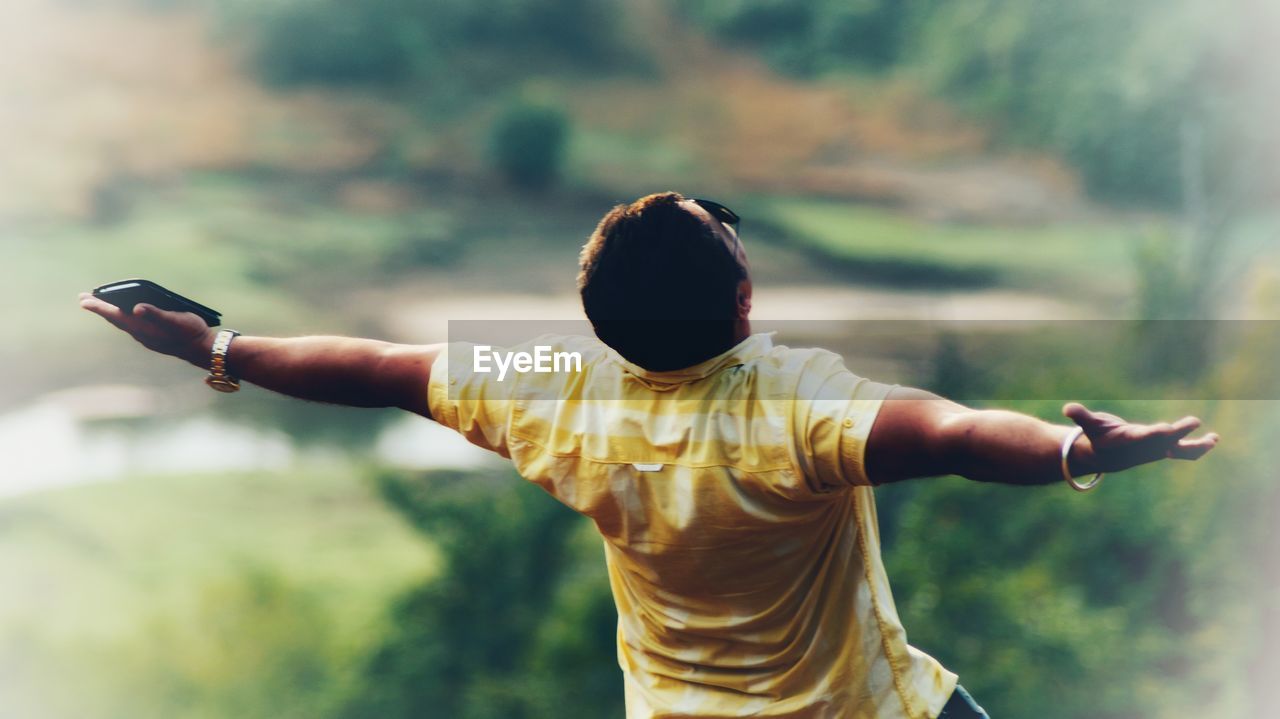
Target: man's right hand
x,y
919,434
179,334
1112,444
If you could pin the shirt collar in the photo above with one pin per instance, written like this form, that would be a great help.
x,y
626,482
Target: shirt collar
x,y
753,347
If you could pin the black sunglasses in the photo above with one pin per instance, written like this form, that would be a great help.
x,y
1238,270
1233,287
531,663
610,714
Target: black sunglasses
x,y
720,212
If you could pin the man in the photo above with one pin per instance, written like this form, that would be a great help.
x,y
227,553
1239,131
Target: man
x,y
731,479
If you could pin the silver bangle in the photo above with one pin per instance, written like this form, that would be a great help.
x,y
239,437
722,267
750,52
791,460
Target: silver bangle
x,y
1067,444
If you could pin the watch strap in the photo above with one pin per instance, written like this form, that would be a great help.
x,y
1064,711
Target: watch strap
x,y
218,377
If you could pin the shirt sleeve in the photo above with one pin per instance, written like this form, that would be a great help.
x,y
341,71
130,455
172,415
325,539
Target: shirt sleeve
x,y
477,405
835,410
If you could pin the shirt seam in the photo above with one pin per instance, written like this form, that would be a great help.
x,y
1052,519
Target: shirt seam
x,y
876,610
793,454
438,386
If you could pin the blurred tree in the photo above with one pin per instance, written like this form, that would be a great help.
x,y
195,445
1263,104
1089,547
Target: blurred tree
x,y
341,43
519,623
438,44
1108,85
1071,76
578,637
1175,331
1224,176
528,144
813,37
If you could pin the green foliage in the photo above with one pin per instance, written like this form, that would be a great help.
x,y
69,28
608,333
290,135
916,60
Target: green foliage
x,y
520,623
812,37
1134,591
528,144
336,42
393,42
1146,591
1078,78
1175,337
1098,82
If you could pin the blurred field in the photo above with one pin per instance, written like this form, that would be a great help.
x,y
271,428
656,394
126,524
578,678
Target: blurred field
x,y
192,580
1075,259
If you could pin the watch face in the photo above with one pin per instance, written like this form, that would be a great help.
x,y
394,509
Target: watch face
x,y
222,384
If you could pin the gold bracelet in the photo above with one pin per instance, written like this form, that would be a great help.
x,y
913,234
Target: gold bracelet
x,y
1067,444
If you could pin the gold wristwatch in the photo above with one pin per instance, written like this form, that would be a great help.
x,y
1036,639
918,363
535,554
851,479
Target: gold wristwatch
x,y
218,377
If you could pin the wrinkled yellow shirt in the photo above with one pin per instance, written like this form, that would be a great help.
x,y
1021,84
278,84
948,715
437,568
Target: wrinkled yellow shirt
x,y
739,524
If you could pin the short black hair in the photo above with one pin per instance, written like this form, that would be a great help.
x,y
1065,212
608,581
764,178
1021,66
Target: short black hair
x,y
659,285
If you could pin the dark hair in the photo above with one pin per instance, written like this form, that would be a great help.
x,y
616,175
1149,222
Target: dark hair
x,y
658,285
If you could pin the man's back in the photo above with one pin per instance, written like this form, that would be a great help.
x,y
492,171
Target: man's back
x,y
740,528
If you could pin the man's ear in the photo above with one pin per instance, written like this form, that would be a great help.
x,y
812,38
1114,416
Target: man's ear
x,y
744,299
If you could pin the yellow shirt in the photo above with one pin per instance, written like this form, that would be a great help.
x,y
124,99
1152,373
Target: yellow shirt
x,y
738,521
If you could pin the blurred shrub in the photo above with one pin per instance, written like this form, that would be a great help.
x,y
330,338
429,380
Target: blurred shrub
x,y
812,37
1174,333
518,624
336,42
444,42
528,144
424,248
1086,79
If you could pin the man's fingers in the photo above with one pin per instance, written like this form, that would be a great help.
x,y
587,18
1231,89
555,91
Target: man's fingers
x,y
88,301
1092,422
1190,453
1082,415
1193,448
106,310
1168,433
1078,413
128,322
1183,427
154,314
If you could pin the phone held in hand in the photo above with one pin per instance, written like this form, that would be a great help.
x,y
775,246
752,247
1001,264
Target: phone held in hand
x,y
127,293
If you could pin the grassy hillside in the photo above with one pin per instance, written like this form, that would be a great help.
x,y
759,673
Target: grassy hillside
x,y
212,586
891,247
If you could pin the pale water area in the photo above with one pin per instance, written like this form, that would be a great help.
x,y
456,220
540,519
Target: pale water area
x,y
68,438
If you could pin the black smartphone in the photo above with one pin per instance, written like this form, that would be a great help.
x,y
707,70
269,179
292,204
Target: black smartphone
x,y
127,293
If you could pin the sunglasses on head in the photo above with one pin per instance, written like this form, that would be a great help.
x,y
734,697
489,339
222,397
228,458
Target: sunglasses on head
x,y
720,212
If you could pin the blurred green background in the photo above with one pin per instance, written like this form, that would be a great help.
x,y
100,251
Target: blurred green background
x,y
381,167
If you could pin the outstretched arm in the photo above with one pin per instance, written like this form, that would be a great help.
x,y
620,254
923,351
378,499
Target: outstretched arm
x,y
919,434
338,370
